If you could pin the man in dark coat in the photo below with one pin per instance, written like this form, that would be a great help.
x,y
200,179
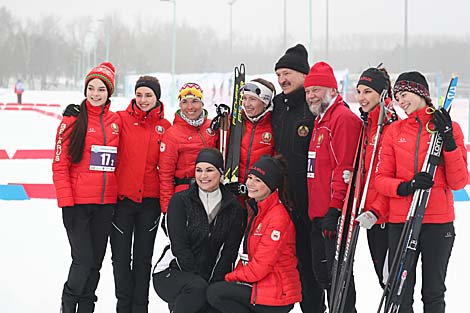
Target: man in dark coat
x,y
292,129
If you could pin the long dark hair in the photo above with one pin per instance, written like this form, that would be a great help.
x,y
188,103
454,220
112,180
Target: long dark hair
x,y
78,134
389,90
283,189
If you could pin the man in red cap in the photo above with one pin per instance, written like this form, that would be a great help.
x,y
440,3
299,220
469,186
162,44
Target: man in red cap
x,y
332,150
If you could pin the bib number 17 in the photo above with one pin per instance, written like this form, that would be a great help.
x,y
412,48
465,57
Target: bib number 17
x,y
103,158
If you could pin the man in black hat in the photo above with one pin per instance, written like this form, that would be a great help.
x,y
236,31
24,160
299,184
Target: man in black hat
x,y
292,124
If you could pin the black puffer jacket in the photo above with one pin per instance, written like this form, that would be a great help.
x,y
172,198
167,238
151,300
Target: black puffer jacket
x,y
292,124
208,250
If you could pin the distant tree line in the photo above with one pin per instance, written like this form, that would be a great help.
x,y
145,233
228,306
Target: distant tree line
x,y
45,53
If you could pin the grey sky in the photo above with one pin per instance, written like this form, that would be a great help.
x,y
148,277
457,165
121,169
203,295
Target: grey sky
x,y
263,19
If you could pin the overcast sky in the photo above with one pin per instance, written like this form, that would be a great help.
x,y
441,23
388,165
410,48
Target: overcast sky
x,y
260,19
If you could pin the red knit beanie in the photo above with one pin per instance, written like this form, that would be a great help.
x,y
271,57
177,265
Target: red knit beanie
x,y
321,74
105,71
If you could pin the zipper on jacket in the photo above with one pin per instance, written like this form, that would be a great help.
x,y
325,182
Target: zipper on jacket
x,y
255,294
202,137
104,142
285,136
249,149
248,231
219,256
420,129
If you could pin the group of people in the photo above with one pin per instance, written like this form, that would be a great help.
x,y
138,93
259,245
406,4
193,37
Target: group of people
x,y
122,175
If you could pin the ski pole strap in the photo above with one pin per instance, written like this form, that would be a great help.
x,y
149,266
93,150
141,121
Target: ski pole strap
x,y
184,181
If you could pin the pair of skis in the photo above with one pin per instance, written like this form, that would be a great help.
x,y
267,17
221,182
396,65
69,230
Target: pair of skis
x,y
346,246
407,245
236,127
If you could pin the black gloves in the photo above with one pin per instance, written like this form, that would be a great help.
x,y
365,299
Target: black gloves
x,y
421,180
329,223
72,110
443,123
237,189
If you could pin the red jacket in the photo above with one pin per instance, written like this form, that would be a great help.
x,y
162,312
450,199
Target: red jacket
x,y
19,89
257,141
374,200
272,263
332,150
400,159
139,147
178,151
76,183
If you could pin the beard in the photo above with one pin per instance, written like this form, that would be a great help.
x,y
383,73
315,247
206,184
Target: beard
x,y
320,108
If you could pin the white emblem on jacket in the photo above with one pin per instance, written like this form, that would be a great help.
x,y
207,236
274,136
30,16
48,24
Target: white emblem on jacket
x,y
275,235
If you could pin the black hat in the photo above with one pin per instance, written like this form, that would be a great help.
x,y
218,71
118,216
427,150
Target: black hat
x,y
212,156
375,79
414,82
295,58
150,82
269,170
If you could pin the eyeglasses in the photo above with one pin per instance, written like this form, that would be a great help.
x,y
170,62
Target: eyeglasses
x,y
258,90
249,87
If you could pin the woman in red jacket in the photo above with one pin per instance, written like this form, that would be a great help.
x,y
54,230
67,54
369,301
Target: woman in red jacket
x,y
86,150
138,208
180,145
371,84
404,147
257,138
266,277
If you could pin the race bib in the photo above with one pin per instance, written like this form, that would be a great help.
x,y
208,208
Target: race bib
x,y
103,158
311,164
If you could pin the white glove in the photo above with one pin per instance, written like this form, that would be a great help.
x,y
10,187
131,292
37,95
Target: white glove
x,y
367,219
346,176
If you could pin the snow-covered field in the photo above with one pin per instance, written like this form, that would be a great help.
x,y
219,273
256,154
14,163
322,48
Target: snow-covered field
x,y
36,255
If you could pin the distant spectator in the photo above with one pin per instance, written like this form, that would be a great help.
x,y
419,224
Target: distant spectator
x,y
19,89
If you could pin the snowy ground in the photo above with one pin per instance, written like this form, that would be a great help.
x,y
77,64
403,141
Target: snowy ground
x,y
36,253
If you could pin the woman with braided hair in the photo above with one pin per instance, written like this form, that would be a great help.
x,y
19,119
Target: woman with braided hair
x,y
86,186
399,175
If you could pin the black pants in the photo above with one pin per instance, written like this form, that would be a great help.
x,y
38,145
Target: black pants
x,y
19,96
313,295
231,297
323,253
183,291
138,221
435,246
377,237
88,227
